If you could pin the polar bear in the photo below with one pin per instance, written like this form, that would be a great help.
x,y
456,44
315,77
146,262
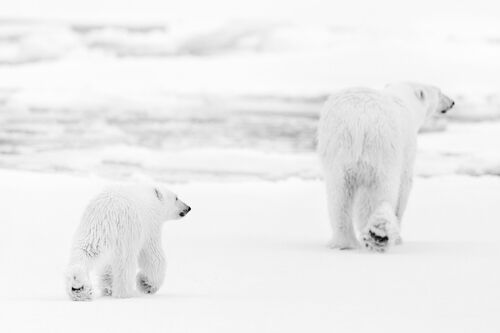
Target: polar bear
x,y
121,230
367,143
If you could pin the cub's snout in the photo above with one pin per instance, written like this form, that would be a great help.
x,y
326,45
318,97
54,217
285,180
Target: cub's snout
x,y
185,211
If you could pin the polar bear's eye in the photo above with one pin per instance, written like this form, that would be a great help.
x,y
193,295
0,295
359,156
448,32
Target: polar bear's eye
x,y
176,199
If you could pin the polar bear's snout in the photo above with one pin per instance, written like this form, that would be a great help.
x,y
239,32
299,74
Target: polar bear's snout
x,y
183,208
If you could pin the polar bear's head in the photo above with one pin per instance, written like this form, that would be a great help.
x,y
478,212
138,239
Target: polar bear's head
x,y
170,206
429,99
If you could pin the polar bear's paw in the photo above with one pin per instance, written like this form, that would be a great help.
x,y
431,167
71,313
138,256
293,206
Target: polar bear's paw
x,y
79,287
144,285
380,235
382,230
376,238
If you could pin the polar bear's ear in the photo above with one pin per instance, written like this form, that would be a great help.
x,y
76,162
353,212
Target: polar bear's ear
x,y
158,194
420,94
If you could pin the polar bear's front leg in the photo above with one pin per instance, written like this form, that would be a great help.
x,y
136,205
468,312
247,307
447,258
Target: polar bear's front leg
x,y
405,187
152,266
404,194
340,197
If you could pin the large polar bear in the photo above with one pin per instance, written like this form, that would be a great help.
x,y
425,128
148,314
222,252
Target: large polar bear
x,y
367,142
120,230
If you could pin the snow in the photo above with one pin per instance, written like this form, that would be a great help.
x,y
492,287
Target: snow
x,y
252,57
270,148
175,98
252,257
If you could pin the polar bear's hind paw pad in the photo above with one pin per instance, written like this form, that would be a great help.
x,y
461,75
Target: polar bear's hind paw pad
x,y
379,239
376,239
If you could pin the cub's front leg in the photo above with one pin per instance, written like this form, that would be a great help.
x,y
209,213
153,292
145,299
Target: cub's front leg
x,y
152,266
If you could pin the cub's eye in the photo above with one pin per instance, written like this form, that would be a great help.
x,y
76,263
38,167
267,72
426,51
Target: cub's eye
x,y
421,95
176,198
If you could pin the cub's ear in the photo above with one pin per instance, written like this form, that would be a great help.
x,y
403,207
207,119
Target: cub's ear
x,y
158,194
420,94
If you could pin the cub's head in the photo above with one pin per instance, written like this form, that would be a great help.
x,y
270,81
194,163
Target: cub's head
x,y
171,207
427,98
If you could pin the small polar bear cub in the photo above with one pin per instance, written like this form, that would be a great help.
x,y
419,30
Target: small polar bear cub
x,y
120,231
367,141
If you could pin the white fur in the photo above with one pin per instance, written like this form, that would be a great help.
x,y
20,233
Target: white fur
x,y
367,142
121,230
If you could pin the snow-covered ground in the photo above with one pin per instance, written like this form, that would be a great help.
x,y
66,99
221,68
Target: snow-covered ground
x,y
252,257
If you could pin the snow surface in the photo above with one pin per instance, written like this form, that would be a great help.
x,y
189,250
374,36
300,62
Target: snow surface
x,y
252,257
124,150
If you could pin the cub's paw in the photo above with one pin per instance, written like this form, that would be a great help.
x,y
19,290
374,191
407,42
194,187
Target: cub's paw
x,y
107,291
144,285
78,287
83,293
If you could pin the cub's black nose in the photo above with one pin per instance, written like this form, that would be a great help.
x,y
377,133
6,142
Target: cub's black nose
x,y
185,211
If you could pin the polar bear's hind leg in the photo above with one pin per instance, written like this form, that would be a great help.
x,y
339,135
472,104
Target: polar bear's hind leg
x,y
381,230
382,227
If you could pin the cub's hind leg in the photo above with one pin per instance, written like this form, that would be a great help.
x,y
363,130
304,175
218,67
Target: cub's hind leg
x,y
78,284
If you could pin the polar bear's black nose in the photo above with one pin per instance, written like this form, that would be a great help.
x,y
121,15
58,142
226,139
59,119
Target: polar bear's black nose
x,y
185,211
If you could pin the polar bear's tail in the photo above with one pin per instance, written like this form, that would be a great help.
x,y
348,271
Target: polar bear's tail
x,y
78,284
